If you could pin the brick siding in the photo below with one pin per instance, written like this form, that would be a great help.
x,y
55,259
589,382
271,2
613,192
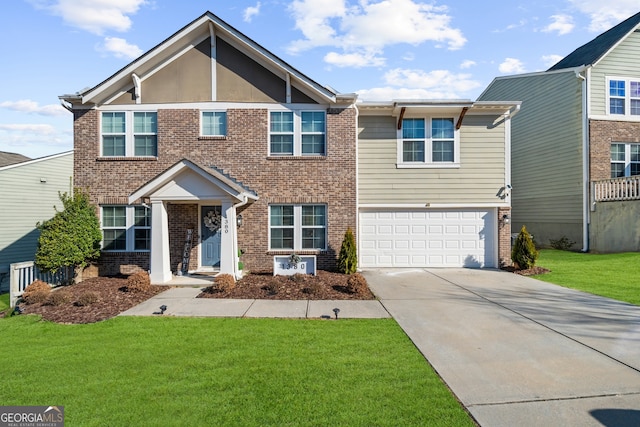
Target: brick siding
x,y
504,238
601,135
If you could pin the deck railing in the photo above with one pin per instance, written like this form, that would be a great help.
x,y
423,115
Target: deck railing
x,y
617,189
24,273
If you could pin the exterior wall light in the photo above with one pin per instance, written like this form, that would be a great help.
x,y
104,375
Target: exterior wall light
x,y
506,219
239,220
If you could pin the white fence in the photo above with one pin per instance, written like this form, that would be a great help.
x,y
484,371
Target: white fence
x,y
24,273
617,189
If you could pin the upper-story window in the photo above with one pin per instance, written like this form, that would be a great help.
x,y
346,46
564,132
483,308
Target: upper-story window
x,y
129,133
214,123
428,142
297,133
625,160
623,96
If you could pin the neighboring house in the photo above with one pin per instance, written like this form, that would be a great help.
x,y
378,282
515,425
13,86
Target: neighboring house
x,y
433,183
210,132
576,144
30,190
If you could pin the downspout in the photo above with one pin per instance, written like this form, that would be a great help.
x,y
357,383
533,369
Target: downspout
x,y
357,230
236,259
585,163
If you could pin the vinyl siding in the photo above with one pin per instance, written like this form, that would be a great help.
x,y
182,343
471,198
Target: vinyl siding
x,y
623,61
26,201
478,180
546,151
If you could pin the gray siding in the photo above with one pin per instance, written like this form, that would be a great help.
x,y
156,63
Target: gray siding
x,y
478,180
623,61
546,153
26,201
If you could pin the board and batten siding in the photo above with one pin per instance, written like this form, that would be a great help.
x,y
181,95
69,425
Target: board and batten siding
x,y
29,194
478,179
546,152
622,61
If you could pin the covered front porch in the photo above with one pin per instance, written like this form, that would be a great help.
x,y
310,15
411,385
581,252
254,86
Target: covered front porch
x,y
194,211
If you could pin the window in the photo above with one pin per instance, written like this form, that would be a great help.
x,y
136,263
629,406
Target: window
x,y
625,160
214,123
129,134
126,228
298,227
623,96
297,133
427,142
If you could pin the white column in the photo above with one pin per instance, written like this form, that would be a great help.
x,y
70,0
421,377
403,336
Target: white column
x,y
160,264
228,229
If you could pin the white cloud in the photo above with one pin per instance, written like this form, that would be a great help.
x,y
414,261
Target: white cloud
x,y
34,140
467,64
38,129
32,107
369,26
251,11
119,48
605,15
354,60
511,66
94,16
563,24
550,60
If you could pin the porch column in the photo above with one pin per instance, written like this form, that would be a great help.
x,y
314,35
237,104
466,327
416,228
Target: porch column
x,y
160,264
228,227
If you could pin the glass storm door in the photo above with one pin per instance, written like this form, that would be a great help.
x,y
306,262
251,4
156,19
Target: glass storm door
x,y
211,235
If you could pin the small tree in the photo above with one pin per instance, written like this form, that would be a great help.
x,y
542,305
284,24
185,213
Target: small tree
x,y
524,253
71,238
348,258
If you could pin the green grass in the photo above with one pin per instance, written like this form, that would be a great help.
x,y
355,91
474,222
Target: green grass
x,y
239,372
610,275
4,302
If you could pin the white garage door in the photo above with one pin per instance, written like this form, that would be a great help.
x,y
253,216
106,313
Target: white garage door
x,y
428,238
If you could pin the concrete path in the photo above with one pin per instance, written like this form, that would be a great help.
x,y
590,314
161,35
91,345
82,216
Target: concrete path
x,y
517,351
182,301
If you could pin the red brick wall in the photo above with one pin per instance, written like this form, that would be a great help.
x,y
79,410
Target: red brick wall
x,y
504,238
242,154
601,135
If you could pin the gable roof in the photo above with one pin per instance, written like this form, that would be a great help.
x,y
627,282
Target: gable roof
x,y
7,158
590,53
199,29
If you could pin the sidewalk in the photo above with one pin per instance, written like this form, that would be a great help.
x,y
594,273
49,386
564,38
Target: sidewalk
x,y
182,302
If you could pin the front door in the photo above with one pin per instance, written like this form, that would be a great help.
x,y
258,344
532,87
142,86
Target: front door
x,y
211,235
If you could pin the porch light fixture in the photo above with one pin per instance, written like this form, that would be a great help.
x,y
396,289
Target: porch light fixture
x,y
239,220
506,219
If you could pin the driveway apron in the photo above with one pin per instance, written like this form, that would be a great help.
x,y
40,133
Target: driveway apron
x,y
517,351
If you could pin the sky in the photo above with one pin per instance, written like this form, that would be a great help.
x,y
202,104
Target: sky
x,y
379,49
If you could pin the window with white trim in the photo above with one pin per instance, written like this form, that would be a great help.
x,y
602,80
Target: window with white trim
x,y
429,141
126,228
625,160
297,227
128,133
297,133
623,96
214,123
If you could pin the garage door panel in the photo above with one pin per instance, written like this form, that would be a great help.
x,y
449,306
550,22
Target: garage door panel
x,y
428,238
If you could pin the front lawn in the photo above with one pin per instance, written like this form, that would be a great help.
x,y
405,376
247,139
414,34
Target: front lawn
x,y
242,372
611,275
4,302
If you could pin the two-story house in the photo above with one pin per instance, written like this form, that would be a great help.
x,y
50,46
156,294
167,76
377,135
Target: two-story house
x,y
576,144
209,145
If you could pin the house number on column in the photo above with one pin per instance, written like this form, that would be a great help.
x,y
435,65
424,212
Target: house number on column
x,y
226,225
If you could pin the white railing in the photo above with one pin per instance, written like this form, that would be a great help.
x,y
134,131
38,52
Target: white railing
x,y
22,274
617,189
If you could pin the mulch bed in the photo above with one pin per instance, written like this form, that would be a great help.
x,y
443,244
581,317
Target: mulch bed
x,y
526,272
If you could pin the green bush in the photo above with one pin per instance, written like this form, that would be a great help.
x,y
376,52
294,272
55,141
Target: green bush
x,y
72,237
348,258
524,253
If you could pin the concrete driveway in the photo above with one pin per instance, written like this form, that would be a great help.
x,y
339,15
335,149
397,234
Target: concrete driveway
x,y
517,351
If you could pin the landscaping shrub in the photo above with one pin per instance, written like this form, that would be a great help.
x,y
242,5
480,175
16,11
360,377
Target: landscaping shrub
x,y
524,253
225,282
87,298
357,283
138,282
348,257
563,243
37,292
60,297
